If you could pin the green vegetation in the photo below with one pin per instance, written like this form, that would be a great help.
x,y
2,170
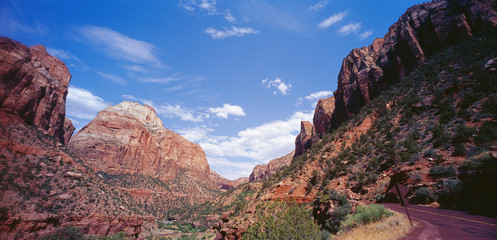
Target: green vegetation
x,y
330,221
364,215
281,221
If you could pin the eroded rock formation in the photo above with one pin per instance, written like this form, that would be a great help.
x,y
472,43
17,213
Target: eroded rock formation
x,y
33,85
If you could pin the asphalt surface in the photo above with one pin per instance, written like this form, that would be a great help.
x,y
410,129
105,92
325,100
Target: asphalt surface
x,y
433,223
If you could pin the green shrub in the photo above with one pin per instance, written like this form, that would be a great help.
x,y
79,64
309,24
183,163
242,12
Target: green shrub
x,y
442,171
459,150
364,215
423,196
321,211
281,221
66,233
450,192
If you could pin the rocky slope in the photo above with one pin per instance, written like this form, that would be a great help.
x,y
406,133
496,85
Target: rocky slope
x,y
129,139
34,86
265,170
418,33
43,186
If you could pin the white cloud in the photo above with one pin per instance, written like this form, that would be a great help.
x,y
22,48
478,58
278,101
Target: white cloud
x,y
261,143
119,46
229,17
279,84
176,111
365,34
319,5
195,134
226,110
113,78
318,95
233,32
208,6
350,28
332,20
231,169
82,104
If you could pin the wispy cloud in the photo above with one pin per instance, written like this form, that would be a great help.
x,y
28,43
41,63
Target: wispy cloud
x,y
319,5
226,110
119,46
278,84
229,17
230,32
365,34
333,19
354,28
64,55
175,77
113,78
82,105
136,68
207,6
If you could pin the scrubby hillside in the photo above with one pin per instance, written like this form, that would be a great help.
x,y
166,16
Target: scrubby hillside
x,y
435,131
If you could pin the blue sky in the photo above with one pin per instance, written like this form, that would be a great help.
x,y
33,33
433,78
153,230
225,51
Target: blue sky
x,y
235,76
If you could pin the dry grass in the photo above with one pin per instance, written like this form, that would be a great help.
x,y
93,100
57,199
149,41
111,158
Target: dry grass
x,y
392,227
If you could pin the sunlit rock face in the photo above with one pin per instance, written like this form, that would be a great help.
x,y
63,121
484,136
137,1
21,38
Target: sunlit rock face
x,y
33,86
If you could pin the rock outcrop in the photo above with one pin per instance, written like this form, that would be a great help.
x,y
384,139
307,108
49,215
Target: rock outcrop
x,y
33,85
265,170
419,32
304,139
322,117
130,138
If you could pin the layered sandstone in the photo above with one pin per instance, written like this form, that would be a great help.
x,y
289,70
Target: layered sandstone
x,y
265,170
130,138
33,85
322,117
419,32
303,141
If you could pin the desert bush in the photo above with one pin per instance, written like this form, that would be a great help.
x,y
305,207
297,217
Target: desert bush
x,y
423,196
66,233
459,150
442,171
282,221
450,192
331,221
364,215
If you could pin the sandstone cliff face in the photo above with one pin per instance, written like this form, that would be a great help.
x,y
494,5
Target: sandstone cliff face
x,y
322,117
422,30
130,138
304,139
265,170
33,85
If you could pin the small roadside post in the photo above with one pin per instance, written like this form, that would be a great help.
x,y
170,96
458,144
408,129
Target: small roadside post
x,y
401,192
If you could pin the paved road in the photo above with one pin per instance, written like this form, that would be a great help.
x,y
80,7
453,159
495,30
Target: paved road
x,y
447,224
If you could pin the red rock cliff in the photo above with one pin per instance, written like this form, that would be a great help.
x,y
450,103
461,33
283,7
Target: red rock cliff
x,y
33,85
130,138
419,32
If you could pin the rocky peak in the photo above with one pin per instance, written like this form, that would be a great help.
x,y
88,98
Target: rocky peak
x,y
322,116
265,170
130,138
304,139
34,86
